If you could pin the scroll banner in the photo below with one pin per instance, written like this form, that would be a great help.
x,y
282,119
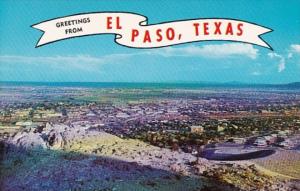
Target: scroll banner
x,y
132,30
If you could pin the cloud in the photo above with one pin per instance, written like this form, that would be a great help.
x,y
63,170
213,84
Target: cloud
x,y
294,49
281,64
92,63
206,51
48,59
256,73
62,59
83,62
210,51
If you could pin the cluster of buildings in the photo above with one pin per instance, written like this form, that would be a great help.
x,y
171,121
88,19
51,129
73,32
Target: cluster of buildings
x,y
222,114
277,139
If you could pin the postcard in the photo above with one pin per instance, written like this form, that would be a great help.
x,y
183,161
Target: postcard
x,y
143,95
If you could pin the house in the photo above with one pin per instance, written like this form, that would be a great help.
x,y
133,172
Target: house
x,y
24,123
220,128
197,129
260,142
236,140
270,139
285,144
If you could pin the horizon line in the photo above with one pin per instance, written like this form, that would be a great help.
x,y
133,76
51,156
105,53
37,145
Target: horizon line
x,y
155,82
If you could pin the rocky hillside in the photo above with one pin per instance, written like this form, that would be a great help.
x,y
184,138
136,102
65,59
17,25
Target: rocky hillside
x,y
59,157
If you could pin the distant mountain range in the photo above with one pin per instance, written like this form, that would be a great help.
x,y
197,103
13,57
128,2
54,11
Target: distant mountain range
x,y
233,84
294,84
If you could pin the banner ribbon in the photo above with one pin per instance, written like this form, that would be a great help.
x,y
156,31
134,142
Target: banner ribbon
x,y
132,30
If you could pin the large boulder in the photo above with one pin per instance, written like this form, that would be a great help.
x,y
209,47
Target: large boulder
x,y
28,141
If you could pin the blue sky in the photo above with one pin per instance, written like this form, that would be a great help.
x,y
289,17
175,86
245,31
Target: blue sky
x,y
98,59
